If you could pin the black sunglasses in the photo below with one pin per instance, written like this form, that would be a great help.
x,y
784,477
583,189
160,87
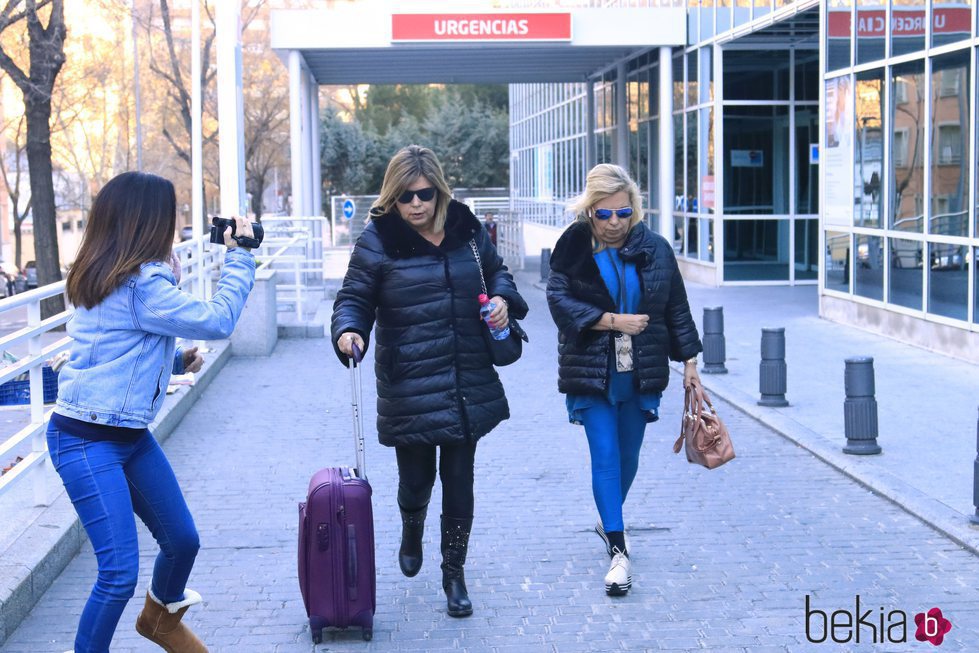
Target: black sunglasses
x,y
424,194
606,214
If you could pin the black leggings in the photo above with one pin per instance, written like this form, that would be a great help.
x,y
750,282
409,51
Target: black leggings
x,y
416,477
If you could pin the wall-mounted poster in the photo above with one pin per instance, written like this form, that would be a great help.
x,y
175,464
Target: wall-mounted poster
x,y
838,153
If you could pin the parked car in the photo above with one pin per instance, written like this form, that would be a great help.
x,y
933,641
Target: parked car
x,y
30,274
186,232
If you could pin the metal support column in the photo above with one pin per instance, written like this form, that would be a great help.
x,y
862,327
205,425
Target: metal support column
x,y
621,116
231,117
296,143
590,157
666,171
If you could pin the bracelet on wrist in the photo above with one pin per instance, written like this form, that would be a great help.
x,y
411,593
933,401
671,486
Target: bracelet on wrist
x,y
691,360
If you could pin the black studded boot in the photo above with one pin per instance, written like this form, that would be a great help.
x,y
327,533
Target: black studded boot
x,y
455,543
410,555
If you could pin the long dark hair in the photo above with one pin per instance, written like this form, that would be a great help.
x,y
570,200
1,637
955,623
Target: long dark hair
x,y
132,222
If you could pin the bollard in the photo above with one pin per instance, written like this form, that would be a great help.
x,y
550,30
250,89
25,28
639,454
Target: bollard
x,y
772,376
714,350
860,407
545,264
975,480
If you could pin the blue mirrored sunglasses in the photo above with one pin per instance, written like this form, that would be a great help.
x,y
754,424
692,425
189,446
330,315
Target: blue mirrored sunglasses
x,y
605,214
424,194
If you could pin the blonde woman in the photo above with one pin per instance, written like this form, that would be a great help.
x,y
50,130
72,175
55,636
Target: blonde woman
x,y
617,297
413,272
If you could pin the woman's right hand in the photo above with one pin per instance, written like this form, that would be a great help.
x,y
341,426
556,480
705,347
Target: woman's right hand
x,y
631,323
243,227
347,340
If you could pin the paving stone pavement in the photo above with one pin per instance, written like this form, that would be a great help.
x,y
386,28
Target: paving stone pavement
x,y
722,559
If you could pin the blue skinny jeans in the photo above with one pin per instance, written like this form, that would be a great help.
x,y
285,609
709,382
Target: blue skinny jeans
x,y
615,433
107,483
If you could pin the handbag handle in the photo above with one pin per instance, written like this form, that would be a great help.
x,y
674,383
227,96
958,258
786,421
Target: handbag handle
x,y
479,264
702,398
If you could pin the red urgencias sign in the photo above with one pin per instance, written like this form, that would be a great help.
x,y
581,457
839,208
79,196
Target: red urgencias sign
x,y
481,27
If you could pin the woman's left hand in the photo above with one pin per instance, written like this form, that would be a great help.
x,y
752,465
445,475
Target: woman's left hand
x,y
692,378
193,361
500,317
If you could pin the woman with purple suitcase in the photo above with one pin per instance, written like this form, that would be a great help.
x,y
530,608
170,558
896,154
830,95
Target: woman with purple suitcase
x,y
414,275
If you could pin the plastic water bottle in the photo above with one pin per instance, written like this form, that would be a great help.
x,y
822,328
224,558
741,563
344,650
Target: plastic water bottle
x,y
485,308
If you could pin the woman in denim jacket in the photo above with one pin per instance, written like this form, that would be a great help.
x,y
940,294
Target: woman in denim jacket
x,y
128,314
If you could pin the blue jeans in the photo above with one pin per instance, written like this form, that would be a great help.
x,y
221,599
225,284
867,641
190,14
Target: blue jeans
x,y
108,482
615,433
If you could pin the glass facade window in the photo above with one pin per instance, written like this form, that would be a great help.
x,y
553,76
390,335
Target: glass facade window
x,y
723,12
742,12
839,32
806,249
807,75
950,161
906,281
868,164
706,19
948,280
692,96
907,168
837,276
908,26
756,160
806,173
975,284
756,250
868,274
679,176
951,22
756,74
871,32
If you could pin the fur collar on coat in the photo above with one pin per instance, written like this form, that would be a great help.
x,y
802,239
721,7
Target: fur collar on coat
x,y
400,240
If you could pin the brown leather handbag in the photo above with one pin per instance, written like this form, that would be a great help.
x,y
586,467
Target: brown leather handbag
x,y
702,433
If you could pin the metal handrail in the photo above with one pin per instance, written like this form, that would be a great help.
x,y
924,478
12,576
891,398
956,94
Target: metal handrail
x,y
34,463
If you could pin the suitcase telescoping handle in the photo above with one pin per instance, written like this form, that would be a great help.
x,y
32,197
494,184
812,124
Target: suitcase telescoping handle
x,y
356,401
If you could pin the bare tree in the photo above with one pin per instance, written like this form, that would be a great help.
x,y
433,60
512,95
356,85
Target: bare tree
x,y
46,50
171,71
266,140
13,173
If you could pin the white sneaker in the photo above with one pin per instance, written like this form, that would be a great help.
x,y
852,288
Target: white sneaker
x,y
600,529
618,580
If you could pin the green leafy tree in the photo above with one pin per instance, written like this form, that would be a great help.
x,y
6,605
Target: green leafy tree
x,y
345,153
466,125
471,140
386,106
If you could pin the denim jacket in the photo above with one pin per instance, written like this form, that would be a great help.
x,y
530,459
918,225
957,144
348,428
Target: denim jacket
x,y
125,347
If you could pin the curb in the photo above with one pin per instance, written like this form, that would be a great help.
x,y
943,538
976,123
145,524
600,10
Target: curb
x,y
949,522
48,543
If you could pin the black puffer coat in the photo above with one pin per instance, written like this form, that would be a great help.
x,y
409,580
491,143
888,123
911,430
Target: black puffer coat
x,y
435,380
578,297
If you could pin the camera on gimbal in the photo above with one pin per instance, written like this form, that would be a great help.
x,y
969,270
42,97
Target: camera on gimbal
x,y
218,225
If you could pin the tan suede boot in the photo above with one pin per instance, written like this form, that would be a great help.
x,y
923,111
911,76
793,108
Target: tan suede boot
x,y
160,623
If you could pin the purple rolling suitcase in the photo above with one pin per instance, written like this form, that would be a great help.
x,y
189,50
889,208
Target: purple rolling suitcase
x,y
336,540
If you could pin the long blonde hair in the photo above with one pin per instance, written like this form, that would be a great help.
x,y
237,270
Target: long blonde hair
x,y
405,166
604,180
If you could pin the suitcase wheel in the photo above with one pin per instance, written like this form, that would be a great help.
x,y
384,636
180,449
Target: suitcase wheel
x,y
368,634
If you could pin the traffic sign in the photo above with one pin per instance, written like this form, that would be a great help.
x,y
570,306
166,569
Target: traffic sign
x,y
349,208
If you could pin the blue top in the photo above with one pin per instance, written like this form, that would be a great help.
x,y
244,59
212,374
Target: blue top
x,y
621,387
